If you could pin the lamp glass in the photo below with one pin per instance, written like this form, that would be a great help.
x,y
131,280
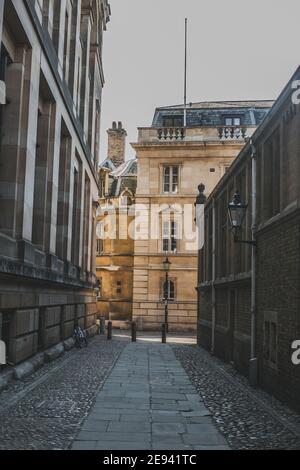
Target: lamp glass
x,y
167,265
237,212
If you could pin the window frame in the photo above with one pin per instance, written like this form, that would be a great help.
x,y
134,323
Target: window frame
x,y
171,282
173,120
99,241
119,287
173,179
169,236
233,119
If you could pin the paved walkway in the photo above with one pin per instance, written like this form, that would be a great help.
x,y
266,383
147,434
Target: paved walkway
x,y
148,403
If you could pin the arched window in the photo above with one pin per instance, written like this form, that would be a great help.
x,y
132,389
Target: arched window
x,y
169,291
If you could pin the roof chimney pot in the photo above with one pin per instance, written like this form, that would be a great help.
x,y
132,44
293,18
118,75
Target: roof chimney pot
x,y
117,143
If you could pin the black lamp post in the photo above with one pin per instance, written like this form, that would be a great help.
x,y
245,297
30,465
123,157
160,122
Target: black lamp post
x,y
237,213
167,265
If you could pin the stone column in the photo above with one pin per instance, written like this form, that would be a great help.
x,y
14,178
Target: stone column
x,y
54,181
58,32
81,217
42,182
50,170
75,38
97,133
14,144
2,84
92,100
32,80
94,239
85,82
71,201
86,225
1,17
63,198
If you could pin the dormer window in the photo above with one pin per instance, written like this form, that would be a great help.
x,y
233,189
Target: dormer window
x,y
173,121
232,121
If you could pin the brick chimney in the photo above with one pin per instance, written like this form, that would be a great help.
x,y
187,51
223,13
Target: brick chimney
x,y
117,143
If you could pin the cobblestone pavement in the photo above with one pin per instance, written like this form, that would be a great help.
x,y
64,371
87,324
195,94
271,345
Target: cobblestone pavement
x,y
46,410
248,418
148,402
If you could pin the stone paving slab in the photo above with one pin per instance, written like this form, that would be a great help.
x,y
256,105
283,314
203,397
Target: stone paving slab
x,y
148,403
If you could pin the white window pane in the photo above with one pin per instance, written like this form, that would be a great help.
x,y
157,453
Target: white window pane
x,y
166,236
171,290
174,229
166,229
165,244
167,177
175,174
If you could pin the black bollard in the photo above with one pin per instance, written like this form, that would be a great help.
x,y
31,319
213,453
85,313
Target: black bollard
x,y
109,331
164,333
102,326
133,332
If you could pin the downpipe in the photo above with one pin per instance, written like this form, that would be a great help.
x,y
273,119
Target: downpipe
x,y
213,288
253,364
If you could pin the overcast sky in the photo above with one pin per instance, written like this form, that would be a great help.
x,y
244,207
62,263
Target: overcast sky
x,y
238,49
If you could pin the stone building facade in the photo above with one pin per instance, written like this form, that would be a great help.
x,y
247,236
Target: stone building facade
x,y
115,249
172,161
225,267
51,80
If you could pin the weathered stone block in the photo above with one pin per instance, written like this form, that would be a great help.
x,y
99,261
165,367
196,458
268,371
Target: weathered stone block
x,y
69,312
80,310
25,321
92,331
90,321
148,305
52,316
23,348
38,361
26,252
54,352
68,329
23,370
91,308
69,344
5,378
52,336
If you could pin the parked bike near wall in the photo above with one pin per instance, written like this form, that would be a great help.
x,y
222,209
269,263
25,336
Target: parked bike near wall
x,y
80,337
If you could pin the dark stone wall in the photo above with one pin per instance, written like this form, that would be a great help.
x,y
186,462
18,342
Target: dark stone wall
x,y
35,317
232,333
278,292
204,320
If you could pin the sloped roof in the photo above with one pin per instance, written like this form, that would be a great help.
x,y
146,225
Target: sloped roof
x,y
222,104
128,168
107,163
214,113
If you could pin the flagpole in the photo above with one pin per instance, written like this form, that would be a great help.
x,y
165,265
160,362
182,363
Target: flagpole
x,y
185,73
